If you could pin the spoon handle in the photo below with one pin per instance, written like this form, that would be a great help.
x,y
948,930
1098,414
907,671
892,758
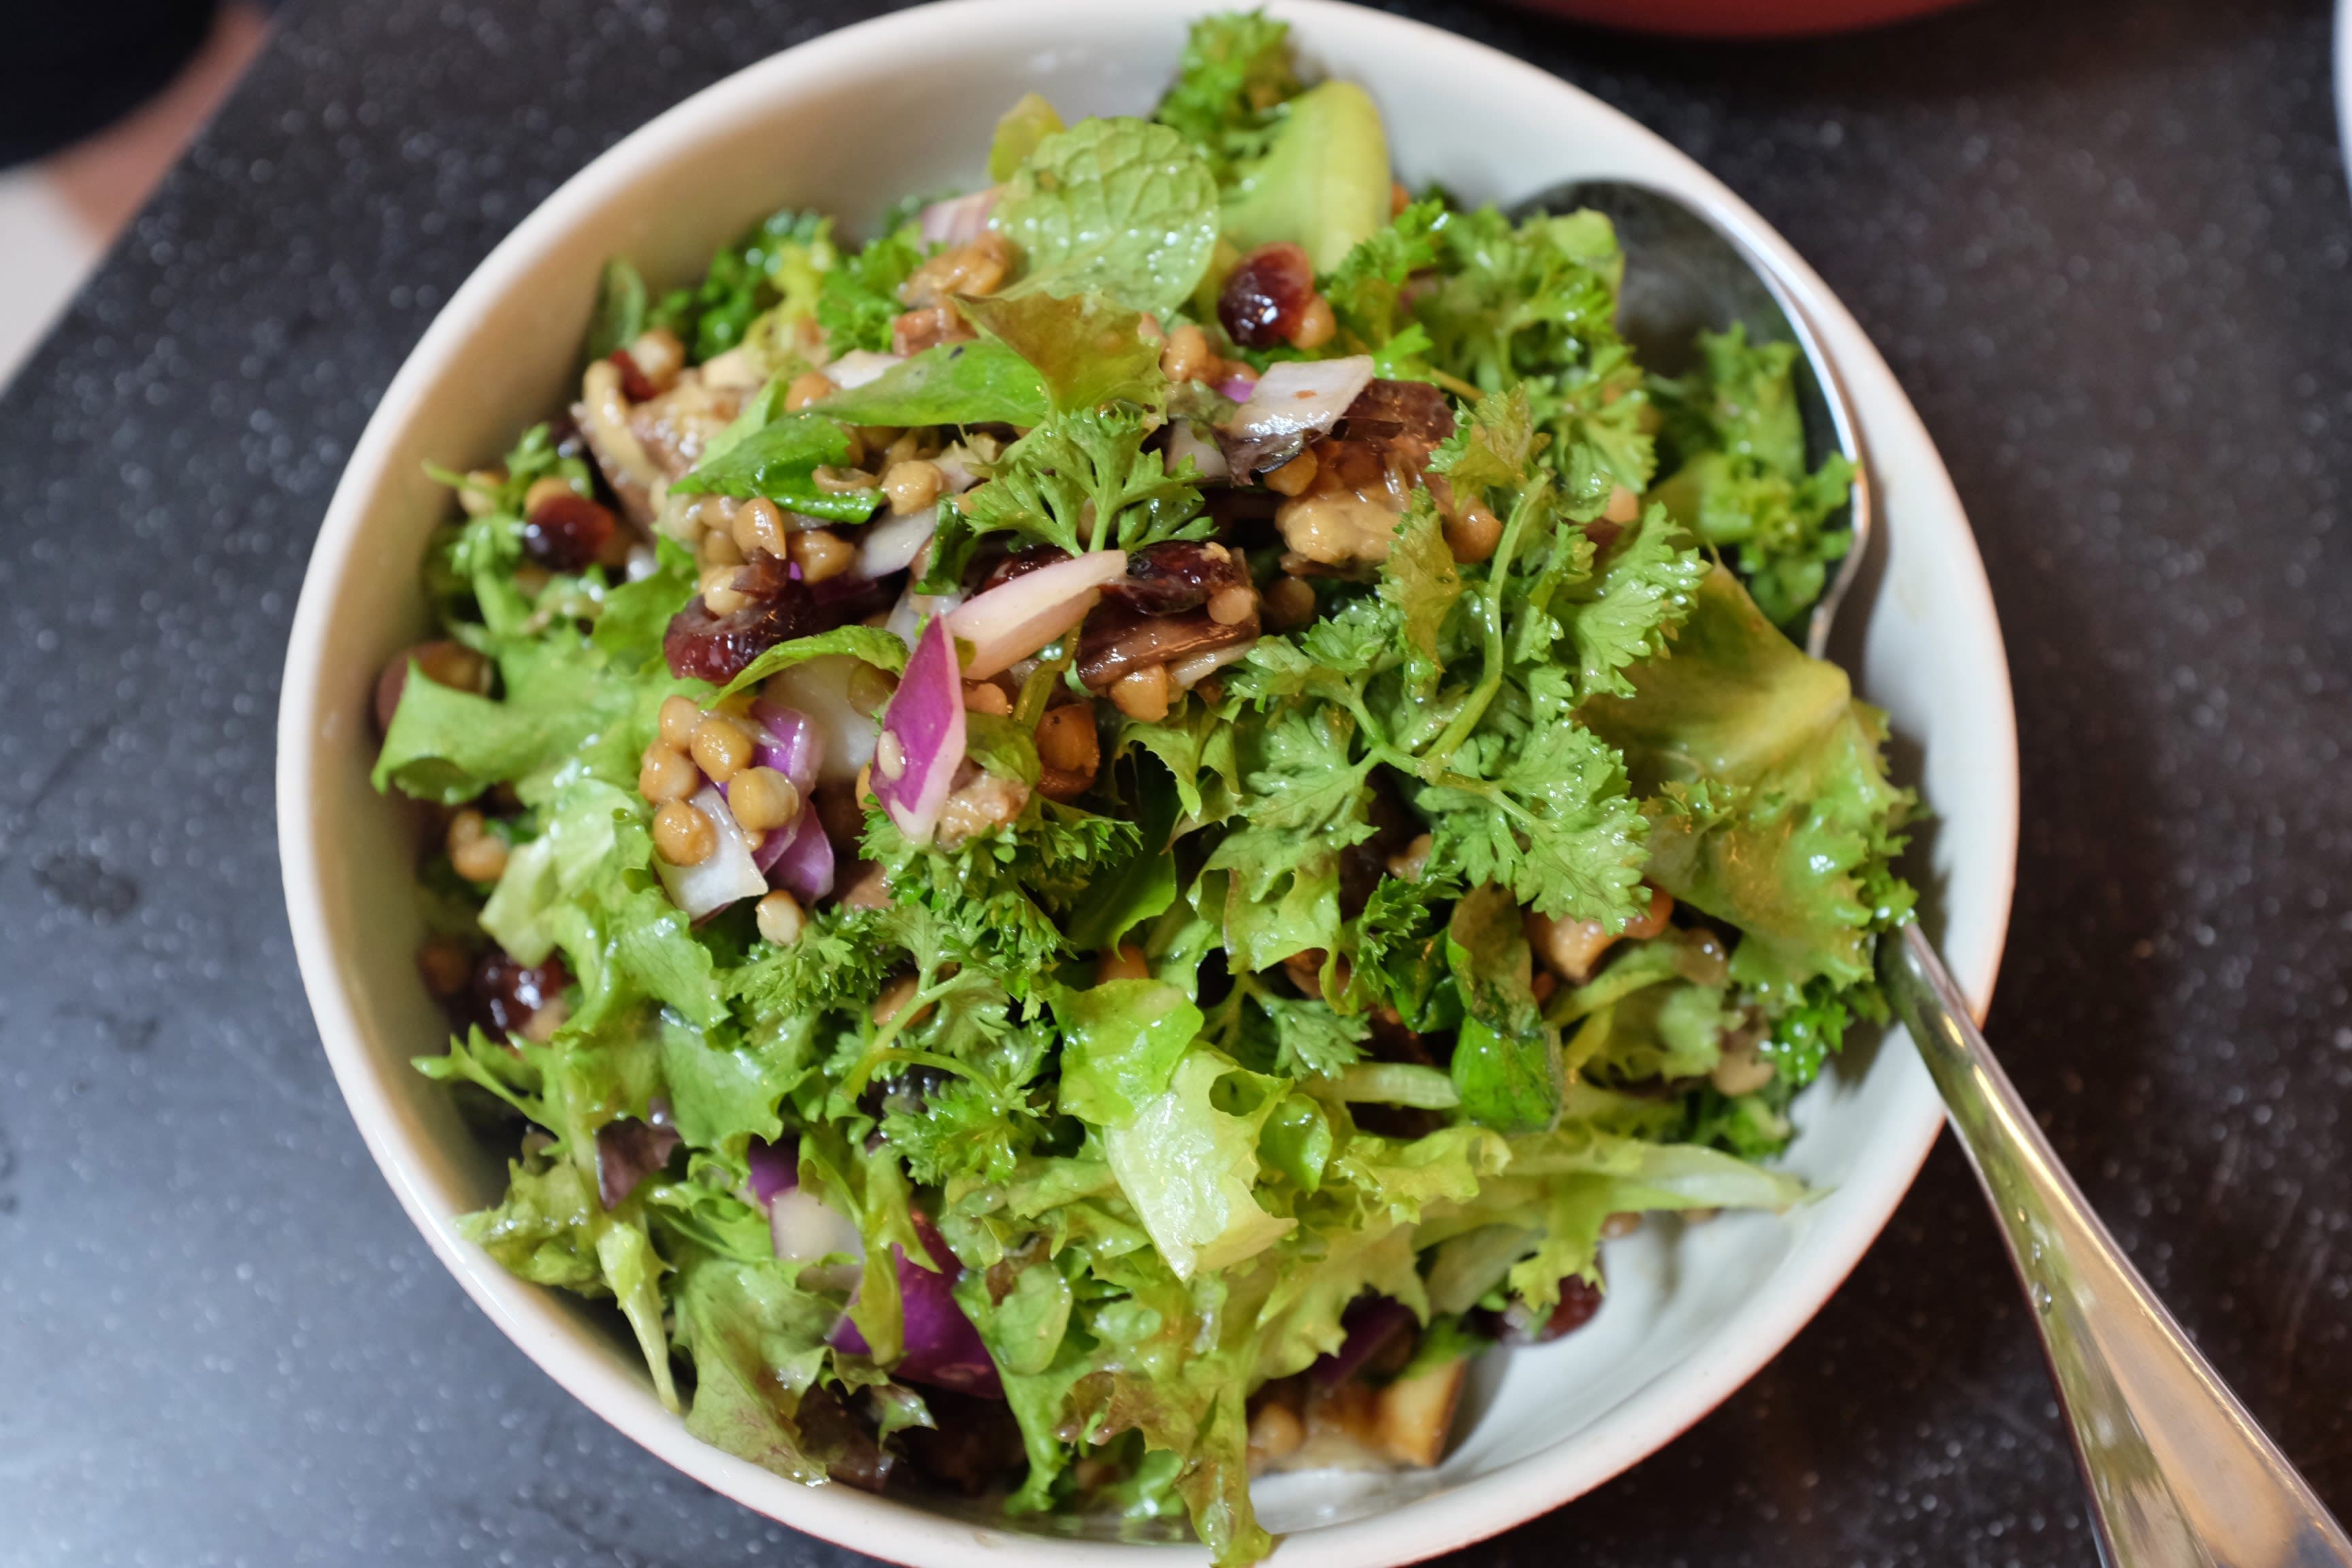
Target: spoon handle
x,y
2180,1475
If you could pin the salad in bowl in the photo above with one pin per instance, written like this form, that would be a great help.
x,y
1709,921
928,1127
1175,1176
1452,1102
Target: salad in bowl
x,y
1084,843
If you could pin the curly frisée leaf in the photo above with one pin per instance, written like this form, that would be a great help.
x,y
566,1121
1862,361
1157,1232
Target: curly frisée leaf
x,y
1123,207
1188,1167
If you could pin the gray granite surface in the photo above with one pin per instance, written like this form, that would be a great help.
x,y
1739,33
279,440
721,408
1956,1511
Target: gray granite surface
x,y
2104,243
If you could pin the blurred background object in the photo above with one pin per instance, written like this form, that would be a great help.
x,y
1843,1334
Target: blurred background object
x,y
96,102
1739,18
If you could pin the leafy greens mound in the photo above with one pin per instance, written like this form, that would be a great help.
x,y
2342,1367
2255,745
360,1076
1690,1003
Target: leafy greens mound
x,y
1156,1192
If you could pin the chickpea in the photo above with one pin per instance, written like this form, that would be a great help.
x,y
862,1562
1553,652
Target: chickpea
x,y
1126,963
809,386
666,775
1475,534
717,548
1143,694
684,835
1409,863
679,715
720,747
1188,356
542,491
1231,606
760,526
911,486
1066,741
1289,603
1293,477
718,594
1743,1070
1316,324
1624,506
780,918
444,966
820,553
987,696
762,799
659,356
479,496
478,854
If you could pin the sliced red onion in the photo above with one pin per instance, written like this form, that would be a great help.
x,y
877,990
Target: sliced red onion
x,y
1207,456
726,874
628,1152
788,742
1238,387
1371,1322
1014,620
819,690
892,545
797,857
940,1345
859,366
802,860
958,220
1294,400
923,736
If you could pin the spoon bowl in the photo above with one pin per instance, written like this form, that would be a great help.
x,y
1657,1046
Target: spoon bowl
x,y
2180,1475
1685,274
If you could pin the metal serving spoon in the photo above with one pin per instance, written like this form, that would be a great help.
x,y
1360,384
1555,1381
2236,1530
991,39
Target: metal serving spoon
x,y
2180,1475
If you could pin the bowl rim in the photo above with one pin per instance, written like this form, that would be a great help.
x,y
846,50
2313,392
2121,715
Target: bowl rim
x,y
1464,1513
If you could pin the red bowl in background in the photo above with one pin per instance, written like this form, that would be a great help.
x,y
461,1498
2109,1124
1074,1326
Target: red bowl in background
x,y
1739,18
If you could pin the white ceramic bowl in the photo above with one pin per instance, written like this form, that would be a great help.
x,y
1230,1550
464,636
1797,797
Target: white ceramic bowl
x,y
848,123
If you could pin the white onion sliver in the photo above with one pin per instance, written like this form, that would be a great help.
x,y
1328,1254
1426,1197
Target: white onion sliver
x,y
859,366
1187,673
892,545
958,220
1014,620
1293,398
907,616
1184,442
957,474
804,1230
726,874
820,690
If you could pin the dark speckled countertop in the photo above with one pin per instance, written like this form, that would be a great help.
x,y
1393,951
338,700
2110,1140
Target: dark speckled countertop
x,y
2104,243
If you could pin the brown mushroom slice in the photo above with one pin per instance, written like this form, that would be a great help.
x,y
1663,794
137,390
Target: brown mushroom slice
x,y
1116,641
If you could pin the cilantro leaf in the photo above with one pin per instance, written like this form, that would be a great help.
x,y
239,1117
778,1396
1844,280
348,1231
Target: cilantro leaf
x,y
1081,481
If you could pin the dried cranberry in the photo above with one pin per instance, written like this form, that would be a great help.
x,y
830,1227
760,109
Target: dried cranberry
x,y
1181,574
505,993
566,532
1578,1303
843,1440
701,645
1019,563
633,384
1265,297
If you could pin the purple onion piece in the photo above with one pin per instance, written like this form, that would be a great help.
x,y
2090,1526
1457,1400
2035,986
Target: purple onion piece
x,y
628,1152
923,736
942,1347
1371,1322
789,742
799,859
776,1168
